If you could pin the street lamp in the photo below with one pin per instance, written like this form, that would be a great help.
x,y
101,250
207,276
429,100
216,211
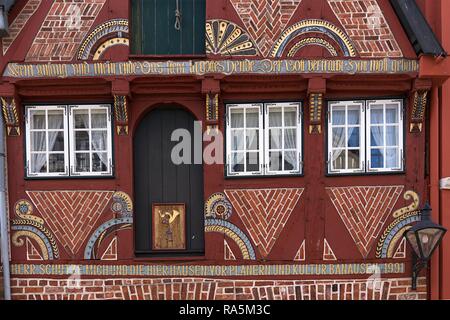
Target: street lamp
x,y
424,237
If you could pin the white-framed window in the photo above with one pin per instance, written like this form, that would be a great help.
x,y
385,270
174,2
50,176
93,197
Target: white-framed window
x,y
73,140
385,135
282,138
345,141
245,139
365,136
47,141
263,139
90,136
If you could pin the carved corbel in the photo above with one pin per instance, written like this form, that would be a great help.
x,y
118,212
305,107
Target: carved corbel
x,y
121,113
212,111
211,89
10,114
121,92
418,111
316,91
315,113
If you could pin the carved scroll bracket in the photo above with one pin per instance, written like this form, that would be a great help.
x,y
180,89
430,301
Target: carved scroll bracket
x,y
9,103
316,92
420,93
211,89
121,93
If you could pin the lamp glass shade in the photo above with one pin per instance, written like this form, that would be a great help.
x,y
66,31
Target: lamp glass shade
x,y
429,238
412,239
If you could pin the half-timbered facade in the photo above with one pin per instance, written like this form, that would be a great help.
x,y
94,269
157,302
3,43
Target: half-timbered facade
x,y
317,115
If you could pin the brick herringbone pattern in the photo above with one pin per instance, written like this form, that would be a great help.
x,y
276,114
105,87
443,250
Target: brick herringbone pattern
x,y
63,29
19,22
264,212
265,19
364,211
367,26
71,215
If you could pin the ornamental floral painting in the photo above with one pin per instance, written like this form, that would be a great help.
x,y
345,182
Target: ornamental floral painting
x,y
169,226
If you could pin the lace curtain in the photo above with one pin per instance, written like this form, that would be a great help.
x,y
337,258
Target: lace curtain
x,y
40,139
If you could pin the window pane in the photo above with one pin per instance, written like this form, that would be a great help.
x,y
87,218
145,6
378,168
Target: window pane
x,y
81,140
339,159
252,139
338,137
276,161
354,115
252,118
290,116
38,119
56,140
252,161
99,162
392,136
392,158
353,137
275,139
38,141
56,119
82,162
275,116
56,163
376,158
290,161
353,159
290,139
376,136
81,119
237,118
392,114
39,163
237,162
376,114
99,141
99,118
338,116
237,139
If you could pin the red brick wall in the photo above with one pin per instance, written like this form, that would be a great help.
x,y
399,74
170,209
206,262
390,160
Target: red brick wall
x,y
366,25
208,289
19,22
63,29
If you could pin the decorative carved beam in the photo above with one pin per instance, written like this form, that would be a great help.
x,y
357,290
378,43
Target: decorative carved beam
x,y
418,110
121,112
11,116
211,88
315,113
212,110
316,90
420,93
120,89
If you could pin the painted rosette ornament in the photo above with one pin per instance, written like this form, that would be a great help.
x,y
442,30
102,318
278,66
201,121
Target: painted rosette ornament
x,y
218,207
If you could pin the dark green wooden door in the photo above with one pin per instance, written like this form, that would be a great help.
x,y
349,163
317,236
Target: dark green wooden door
x,y
154,32
158,180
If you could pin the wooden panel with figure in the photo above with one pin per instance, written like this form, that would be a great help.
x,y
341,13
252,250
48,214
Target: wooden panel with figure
x,y
169,226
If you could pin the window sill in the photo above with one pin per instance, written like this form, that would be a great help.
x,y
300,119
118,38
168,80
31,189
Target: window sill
x,y
71,178
167,57
150,257
356,174
297,175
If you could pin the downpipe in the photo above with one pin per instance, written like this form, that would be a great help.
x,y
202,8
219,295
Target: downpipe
x,y
4,235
